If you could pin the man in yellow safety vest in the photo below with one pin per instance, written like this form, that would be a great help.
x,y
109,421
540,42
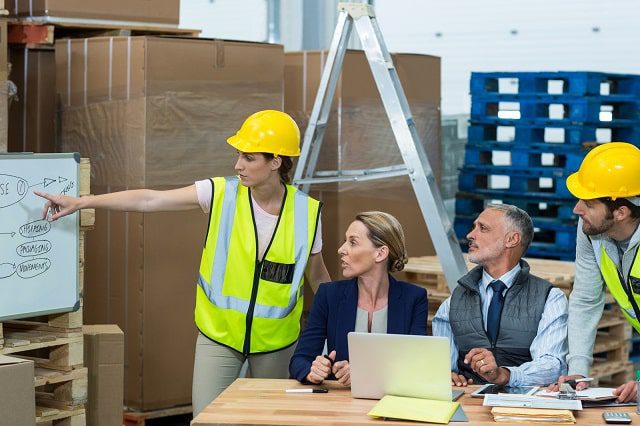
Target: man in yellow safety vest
x,y
608,188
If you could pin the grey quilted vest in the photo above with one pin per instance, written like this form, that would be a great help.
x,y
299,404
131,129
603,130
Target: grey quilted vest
x,y
523,307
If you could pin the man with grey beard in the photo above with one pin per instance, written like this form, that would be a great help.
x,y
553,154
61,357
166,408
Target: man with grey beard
x,y
505,326
607,186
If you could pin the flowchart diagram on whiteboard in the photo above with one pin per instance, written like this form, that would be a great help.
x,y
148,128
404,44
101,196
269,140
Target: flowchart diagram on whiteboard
x,y
38,258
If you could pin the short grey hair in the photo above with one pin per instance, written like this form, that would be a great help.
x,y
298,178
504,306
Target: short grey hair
x,y
519,220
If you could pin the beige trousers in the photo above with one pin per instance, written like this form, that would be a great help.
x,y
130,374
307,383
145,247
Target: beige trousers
x,y
217,366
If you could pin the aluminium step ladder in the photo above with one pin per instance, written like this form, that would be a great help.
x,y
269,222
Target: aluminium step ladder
x,y
416,164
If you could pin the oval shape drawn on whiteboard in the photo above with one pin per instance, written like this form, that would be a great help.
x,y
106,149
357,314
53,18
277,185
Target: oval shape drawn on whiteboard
x,y
6,270
12,190
33,248
35,229
33,268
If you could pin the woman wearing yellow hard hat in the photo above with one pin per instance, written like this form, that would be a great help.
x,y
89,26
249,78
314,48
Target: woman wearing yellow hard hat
x,y
607,186
263,239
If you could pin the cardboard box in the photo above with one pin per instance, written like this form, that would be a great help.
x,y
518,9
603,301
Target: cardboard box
x,y
17,393
33,111
104,358
359,136
159,124
156,11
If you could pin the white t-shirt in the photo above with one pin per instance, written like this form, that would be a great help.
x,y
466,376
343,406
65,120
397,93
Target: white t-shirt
x,y
265,222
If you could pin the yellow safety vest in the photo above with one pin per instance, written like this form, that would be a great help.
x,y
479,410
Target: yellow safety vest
x,y
251,305
627,294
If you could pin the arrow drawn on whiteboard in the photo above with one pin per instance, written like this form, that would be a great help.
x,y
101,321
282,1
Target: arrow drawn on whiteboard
x,y
7,269
61,179
8,233
46,182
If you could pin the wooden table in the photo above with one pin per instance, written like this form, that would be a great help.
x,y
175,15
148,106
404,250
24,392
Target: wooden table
x,y
264,402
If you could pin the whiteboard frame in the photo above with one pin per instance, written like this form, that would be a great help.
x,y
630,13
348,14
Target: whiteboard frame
x,y
75,156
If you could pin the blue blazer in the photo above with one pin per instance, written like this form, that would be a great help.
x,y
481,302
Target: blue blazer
x,y
333,316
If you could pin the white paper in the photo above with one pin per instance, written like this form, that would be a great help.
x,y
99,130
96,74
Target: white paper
x,y
531,402
589,393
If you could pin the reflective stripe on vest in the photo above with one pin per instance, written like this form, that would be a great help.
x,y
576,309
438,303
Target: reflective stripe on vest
x,y
623,293
213,290
248,305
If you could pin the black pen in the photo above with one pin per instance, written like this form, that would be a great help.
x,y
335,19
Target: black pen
x,y
330,360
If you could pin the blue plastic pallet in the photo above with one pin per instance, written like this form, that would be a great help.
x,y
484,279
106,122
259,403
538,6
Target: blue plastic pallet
x,y
482,131
560,123
558,110
479,181
579,83
471,205
548,251
539,250
530,172
520,156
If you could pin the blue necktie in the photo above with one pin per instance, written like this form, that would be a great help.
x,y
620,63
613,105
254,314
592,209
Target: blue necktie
x,y
495,309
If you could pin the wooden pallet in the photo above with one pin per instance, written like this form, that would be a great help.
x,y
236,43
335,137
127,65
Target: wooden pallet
x,y
139,418
55,346
37,32
427,271
611,373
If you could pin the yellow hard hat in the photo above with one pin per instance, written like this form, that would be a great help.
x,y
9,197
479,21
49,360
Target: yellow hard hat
x,y
268,131
609,170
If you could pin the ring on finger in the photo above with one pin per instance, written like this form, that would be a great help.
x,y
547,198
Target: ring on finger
x,y
481,362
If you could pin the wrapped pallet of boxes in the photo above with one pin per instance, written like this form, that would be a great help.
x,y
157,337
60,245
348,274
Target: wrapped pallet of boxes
x,y
4,71
33,111
359,136
155,112
71,11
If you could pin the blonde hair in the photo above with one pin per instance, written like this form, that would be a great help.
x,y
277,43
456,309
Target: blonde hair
x,y
385,230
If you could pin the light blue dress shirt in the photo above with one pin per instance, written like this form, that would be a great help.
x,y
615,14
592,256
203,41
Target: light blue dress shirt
x,y
548,349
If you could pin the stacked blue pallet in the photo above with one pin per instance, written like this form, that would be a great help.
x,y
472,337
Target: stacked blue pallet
x,y
544,128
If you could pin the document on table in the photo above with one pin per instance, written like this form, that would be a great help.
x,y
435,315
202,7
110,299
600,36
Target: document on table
x,y
416,409
589,394
511,414
524,401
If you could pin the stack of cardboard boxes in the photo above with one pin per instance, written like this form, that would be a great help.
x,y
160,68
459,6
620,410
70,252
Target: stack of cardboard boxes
x,y
157,124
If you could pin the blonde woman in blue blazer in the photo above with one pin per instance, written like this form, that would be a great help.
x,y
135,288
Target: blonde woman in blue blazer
x,y
369,300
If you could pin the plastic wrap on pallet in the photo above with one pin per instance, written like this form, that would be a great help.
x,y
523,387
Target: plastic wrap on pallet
x,y
358,135
171,139
144,122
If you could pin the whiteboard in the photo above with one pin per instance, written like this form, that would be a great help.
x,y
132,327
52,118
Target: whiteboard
x,y
38,258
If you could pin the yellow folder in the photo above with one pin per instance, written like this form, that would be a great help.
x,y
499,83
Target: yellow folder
x,y
417,409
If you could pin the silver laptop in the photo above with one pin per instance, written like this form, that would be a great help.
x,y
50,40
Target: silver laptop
x,y
401,365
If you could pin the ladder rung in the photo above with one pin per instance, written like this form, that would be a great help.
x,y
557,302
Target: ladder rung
x,y
329,176
321,124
